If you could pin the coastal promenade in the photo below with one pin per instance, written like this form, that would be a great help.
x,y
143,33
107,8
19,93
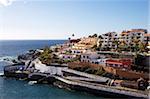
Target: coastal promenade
x,y
94,77
76,81
100,87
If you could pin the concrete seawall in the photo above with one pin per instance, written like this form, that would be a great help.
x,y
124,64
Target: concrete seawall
x,y
103,88
76,82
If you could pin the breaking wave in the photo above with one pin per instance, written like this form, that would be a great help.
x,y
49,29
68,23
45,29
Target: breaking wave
x,y
7,58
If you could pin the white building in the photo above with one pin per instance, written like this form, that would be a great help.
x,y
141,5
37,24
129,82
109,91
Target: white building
x,y
66,56
108,39
93,57
129,36
77,51
101,61
88,56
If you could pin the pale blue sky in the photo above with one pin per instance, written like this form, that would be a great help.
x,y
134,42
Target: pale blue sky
x,y
58,19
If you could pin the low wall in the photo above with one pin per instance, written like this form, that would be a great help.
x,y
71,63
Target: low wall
x,y
126,74
104,88
122,73
83,64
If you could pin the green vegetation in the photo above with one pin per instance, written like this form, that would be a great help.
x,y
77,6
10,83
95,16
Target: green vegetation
x,y
95,47
56,49
68,52
135,46
46,56
99,71
93,36
116,43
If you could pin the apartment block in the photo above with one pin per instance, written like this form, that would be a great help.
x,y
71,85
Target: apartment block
x,y
130,35
107,40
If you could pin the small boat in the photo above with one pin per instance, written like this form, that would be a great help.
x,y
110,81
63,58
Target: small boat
x,y
32,82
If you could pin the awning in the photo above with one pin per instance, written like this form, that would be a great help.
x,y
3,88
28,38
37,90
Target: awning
x,y
118,63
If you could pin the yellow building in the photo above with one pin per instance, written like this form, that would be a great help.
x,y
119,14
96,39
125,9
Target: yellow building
x,y
85,43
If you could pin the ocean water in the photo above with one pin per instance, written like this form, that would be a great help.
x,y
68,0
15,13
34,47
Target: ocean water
x,y
16,89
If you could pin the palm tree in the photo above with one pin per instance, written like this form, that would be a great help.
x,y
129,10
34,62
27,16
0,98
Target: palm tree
x,y
94,35
141,46
69,41
135,45
72,35
99,42
100,37
94,47
135,48
122,46
90,36
116,42
69,38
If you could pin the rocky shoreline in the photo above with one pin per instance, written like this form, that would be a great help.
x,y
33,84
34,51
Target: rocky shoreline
x,y
59,81
29,68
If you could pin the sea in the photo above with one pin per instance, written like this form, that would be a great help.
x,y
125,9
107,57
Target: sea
x,y
11,88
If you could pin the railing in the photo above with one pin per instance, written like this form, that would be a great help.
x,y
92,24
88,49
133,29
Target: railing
x,y
84,79
100,78
41,74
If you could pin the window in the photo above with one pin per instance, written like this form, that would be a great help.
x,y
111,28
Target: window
x,y
139,33
125,66
83,56
138,37
87,56
110,64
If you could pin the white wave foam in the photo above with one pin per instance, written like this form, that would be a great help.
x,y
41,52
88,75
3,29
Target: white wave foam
x,y
7,58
